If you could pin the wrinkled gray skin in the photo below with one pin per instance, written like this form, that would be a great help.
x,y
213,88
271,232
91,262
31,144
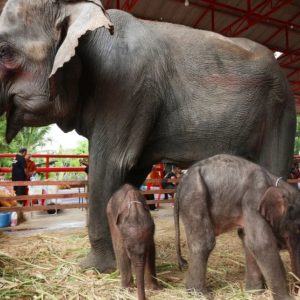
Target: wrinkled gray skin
x,y
149,92
226,192
132,231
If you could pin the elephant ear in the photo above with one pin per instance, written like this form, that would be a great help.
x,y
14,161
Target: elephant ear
x,y
82,16
273,206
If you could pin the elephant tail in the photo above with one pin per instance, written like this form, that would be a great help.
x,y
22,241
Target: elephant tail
x,y
276,153
182,263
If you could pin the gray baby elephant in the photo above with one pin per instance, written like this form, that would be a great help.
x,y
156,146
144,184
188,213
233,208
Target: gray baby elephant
x,y
226,192
132,231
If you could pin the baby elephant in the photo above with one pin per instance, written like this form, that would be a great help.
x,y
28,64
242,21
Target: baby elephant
x,y
226,192
132,231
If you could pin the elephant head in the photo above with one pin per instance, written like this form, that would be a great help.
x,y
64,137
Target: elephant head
x,y
38,39
281,208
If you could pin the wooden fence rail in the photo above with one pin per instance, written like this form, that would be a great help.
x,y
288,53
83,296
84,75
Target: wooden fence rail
x,y
55,196
79,195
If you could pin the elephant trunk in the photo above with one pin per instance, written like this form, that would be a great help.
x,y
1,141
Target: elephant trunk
x,y
140,281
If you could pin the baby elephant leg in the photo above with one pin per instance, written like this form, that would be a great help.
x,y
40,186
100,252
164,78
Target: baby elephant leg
x,y
201,241
261,242
253,278
123,261
150,273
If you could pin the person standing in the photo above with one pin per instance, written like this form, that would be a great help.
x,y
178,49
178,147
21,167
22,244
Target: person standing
x,y
30,166
19,171
153,186
173,175
30,173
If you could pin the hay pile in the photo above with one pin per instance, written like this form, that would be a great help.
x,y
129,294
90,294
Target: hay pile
x,y
46,267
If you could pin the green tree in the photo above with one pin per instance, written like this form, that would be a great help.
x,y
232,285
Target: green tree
x,y
29,137
82,148
32,138
2,135
297,137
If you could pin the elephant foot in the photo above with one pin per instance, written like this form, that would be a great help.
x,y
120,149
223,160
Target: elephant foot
x,y
153,286
200,291
255,286
182,263
103,263
127,283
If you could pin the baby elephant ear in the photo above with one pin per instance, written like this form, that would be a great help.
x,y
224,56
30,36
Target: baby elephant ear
x,y
273,206
82,16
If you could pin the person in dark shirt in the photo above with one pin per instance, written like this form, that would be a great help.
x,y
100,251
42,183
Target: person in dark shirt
x,y
19,171
174,174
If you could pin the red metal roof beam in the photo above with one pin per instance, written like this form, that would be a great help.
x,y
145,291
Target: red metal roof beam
x,y
201,17
245,17
291,62
280,29
293,73
253,18
238,12
288,53
107,4
129,5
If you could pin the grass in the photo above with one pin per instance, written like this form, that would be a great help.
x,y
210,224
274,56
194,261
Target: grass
x,y
46,267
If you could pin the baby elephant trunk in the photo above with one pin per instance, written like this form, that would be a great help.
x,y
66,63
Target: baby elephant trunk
x,y
140,281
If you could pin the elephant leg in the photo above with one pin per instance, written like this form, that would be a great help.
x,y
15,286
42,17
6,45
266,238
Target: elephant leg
x,y
192,202
253,278
124,264
104,180
150,271
261,242
101,255
123,261
201,241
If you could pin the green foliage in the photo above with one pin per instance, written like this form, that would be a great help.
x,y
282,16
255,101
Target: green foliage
x,y
82,148
297,137
29,137
35,138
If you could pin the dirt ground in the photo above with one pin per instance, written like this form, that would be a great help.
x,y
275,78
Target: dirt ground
x,y
39,260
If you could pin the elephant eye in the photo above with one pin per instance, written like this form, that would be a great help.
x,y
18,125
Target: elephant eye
x,y
5,51
9,57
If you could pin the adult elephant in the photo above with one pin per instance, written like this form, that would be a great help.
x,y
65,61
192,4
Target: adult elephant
x,y
149,92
